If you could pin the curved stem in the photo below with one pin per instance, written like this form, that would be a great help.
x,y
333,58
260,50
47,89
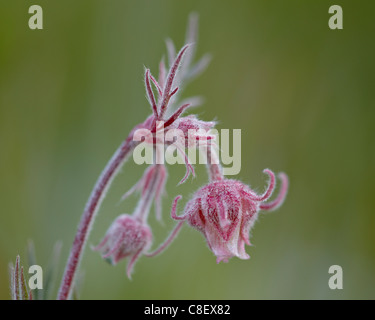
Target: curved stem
x,y
88,216
167,242
174,232
151,184
215,171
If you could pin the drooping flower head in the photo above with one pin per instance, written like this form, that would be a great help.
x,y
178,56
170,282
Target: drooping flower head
x,y
225,211
127,237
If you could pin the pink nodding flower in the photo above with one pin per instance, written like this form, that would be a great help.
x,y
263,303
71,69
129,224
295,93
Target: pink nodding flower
x,y
225,210
127,237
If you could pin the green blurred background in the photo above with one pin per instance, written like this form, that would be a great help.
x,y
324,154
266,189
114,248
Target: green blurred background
x,y
302,94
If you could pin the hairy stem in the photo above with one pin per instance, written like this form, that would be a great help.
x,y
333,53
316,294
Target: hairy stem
x,y
88,216
148,194
215,171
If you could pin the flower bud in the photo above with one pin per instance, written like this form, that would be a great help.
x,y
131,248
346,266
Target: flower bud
x,y
126,237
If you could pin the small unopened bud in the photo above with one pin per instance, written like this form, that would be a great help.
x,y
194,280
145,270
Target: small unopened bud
x,y
127,237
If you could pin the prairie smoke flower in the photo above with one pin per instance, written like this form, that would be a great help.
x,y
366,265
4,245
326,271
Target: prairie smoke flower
x,y
127,237
225,210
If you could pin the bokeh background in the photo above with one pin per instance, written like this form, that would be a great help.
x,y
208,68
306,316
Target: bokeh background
x,y
302,94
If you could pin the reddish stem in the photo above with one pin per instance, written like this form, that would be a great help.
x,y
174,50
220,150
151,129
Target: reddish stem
x,y
88,216
215,171
148,193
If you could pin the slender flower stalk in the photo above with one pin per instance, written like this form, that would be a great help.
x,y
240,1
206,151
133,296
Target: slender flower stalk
x,y
168,241
153,179
215,171
89,214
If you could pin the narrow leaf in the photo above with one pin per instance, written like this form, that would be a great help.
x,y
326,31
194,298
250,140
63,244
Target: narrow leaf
x,y
12,281
169,82
17,278
24,293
